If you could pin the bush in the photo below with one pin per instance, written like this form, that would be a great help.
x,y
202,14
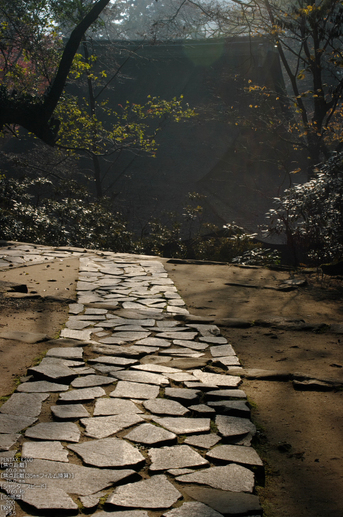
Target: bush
x,y
311,215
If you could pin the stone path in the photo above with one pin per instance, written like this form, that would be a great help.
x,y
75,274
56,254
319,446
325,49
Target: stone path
x,y
135,422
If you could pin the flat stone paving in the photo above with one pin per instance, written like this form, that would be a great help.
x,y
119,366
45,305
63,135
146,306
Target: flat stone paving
x,y
140,422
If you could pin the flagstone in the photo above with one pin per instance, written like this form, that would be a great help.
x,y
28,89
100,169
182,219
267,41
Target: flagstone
x,y
234,426
69,411
52,371
220,340
222,350
24,404
230,477
149,434
89,311
52,450
41,387
226,394
236,454
237,407
81,335
154,341
229,360
176,310
177,334
141,376
205,441
156,368
155,493
60,431
121,338
193,509
184,425
77,324
216,379
10,424
182,394
194,345
182,353
180,377
202,409
82,394
135,390
75,308
76,479
109,452
107,368
104,426
105,406
53,499
7,440
74,353
91,380
177,456
230,504
162,406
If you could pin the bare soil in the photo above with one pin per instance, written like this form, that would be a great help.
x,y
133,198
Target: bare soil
x,y
300,434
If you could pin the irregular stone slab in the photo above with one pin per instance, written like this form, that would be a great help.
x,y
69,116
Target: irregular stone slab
x,y
193,509
182,394
182,352
177,456
121,338
53,499
149,434
156,368
69,411
116,321
103,426
131,513
109,452
60,431
234,426
194,345
165,407
53,451
230,477
172,334
115,361
90,502
156,492
76,479
205,329
216,379
124,351
41,387
82,394
229,360
179,472
202,409
176,310
228,503
66,353
180,377
233,407
106,368
75,324
135,390
220,340
25,337
141,376
226,394
104,407
81,335
10,424
236,454
222,350
24,404
154,341
205,441
7,440
91,380
96,311
181,425
185,363
75,308
52,371
84,370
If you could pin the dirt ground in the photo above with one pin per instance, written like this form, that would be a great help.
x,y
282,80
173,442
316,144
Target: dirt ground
x,y
300,432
